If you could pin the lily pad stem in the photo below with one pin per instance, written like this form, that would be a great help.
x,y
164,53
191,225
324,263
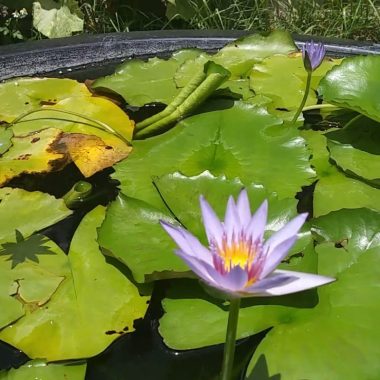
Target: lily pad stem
x,y
229,346
96,123
352,121
78,194
304,99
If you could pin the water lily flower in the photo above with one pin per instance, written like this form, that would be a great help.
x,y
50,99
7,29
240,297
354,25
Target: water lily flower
x,y
239,261
313,54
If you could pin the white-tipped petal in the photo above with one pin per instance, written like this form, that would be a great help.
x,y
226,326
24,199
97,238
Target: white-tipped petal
x,y
290,229
274,257
256,226
282,282
212,224
187,242
243,208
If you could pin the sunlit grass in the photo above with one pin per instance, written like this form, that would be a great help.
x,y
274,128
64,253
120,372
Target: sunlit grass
x,y
356,19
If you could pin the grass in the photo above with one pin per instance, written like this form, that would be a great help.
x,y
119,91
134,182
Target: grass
x,y
355,19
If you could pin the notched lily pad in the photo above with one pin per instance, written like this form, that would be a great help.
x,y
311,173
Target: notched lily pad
x,y
93,299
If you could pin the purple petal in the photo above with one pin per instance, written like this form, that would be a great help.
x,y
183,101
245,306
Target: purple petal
x,y
212,224
232,281
244,208
231,220
283,282
289,230
274,258
199,267
187,242
256,227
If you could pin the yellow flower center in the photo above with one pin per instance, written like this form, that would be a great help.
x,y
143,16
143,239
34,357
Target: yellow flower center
x,y
238,253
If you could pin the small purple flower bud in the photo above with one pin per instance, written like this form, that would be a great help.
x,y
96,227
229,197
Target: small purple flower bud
x,y
313,54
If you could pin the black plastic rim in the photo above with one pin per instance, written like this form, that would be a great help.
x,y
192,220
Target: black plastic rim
x,y
63,56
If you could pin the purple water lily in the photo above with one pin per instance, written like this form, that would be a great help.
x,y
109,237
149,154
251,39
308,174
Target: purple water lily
x,y
238,260
313,54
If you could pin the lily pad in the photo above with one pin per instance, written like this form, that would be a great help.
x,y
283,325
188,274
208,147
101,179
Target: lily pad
x,y
243,141
356,149
283,79
347,312
140,82
33,153
239,56
94,305
18,96
16,212
30,284
40,370
5,139
154,258
194,319
354,84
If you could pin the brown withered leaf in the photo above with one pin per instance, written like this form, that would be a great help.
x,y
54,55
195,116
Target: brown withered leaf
x,y
91,154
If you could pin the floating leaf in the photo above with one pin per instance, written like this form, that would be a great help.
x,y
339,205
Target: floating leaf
x,y
154,258
354,84
40,370
338,335
283,79
25,249
33,153
240,55
18,96
54,20
337,191
243,142
5,139
140,82
28,212
194,319
90,154
94,305
29,285
356,149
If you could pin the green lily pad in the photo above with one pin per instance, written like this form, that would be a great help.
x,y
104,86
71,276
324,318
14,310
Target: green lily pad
x,y
40,370
18,96
356,149
337,191
94,304
30,284
140,82
239,56
194,319
243,141
354,84
5,139
45,211
283,79
339,336
154,258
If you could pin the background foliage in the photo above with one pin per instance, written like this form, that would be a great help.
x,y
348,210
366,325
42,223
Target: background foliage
x,y
28,19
